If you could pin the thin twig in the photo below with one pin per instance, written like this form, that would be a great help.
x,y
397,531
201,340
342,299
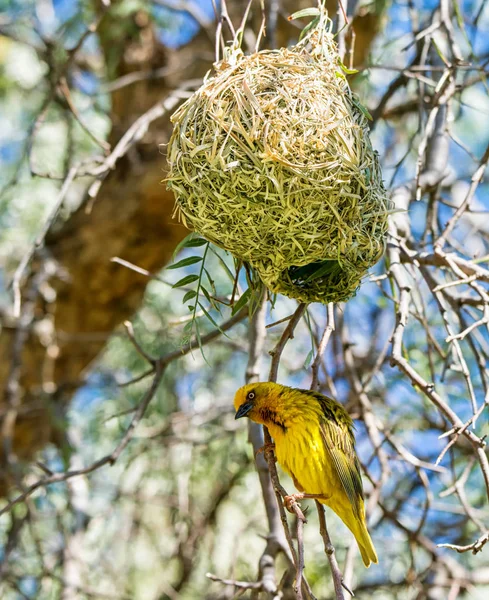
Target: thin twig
x,y
287,335
475,547
330,553
328,330
39,241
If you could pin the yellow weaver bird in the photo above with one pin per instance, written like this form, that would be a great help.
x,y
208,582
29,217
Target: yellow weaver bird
x,y
315,445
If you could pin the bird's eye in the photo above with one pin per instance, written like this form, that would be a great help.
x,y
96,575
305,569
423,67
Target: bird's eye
x,y
250,396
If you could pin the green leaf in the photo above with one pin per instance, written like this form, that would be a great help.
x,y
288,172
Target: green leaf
x,y
345,69
362,108
206,293
194,242
189,241
212,320
308,28
439,51
210,299
458,14
199,340
188,328
223,263
460,22
307,319
185,281
306,12
211,281
241,302
181,244
308,360
185,262
189,295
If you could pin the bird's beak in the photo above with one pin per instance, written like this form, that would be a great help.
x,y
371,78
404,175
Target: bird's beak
x,y
243,410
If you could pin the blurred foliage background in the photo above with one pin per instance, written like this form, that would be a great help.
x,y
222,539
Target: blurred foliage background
x,y
86,90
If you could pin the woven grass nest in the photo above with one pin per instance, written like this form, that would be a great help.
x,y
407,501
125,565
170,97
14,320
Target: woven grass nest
x,y
271,160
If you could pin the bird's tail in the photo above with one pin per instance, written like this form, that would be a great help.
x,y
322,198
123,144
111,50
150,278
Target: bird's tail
x,y
358,527
366,546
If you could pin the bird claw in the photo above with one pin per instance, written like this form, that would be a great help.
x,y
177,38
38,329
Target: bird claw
x,y
264,449
290,500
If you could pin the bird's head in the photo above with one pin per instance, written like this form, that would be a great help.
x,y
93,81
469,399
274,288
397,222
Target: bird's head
x,y
265,403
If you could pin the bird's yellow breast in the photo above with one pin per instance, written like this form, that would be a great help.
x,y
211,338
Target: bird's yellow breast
x,y
301,453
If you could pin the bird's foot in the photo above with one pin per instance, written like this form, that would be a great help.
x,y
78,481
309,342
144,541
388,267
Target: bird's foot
x,y
290,500
265,448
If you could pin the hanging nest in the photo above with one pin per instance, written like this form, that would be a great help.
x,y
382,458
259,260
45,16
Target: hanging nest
x,y
271,160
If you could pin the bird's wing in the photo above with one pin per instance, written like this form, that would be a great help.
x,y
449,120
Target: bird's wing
x,y
339,441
